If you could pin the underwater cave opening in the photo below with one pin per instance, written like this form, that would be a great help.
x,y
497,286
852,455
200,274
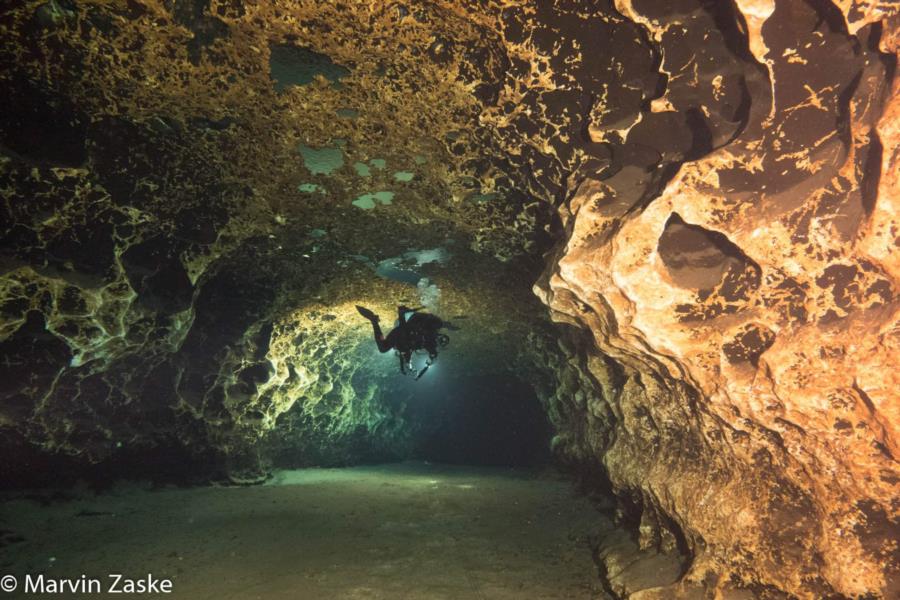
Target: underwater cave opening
x,y
470,407
463,504
478,417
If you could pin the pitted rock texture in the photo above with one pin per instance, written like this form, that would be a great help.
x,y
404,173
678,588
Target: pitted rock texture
x,y
178,177
195,194
751,310
178,197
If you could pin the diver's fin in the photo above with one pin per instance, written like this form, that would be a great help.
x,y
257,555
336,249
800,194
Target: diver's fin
x,y
422,372
366,313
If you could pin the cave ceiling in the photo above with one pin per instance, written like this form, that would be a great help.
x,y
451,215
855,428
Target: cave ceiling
x,y
184,181
178,176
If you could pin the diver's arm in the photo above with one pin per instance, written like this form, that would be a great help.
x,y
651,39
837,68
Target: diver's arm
x,y
402,310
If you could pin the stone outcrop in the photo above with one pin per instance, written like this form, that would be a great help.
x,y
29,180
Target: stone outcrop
x,y
751,309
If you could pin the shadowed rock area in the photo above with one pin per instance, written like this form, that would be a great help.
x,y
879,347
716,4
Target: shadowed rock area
x,y
665,232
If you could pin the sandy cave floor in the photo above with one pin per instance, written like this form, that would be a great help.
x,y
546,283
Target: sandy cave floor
x,y
399,531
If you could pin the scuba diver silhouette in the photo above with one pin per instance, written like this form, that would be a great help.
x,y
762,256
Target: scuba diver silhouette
x,y
416,331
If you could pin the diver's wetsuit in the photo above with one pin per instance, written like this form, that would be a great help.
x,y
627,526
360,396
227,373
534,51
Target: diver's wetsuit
x,y
417,331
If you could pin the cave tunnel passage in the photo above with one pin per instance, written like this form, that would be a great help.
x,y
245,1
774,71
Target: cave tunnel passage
x,y
467,416
472,509
469,410
366,481
626,207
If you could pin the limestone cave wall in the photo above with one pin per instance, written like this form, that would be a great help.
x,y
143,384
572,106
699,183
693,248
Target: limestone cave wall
x,y
195,194
751,310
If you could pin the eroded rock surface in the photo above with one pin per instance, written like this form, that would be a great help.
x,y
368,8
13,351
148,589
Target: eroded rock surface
x,y
195,194
752,311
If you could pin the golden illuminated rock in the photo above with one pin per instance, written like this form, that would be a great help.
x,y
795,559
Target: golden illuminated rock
x,y
753,309
196,194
